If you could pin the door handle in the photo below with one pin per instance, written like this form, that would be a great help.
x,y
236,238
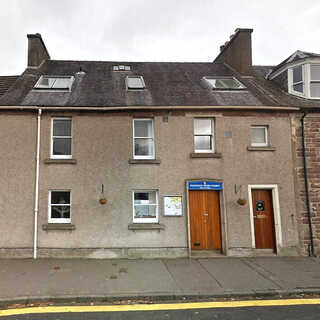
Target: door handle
x,y
205,214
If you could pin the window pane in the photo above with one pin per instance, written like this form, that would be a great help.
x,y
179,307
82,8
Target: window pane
x,y
315,72
202,126
61,146
62,127
225,83
60,212
202,143
258,135
143,128
315,89
135,83
145,211
62,83
145,197
298,87
60,197
45,82
297,74
143,147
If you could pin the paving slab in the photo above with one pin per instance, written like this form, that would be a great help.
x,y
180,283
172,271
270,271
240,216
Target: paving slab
x,y
191,277
235,274
290,272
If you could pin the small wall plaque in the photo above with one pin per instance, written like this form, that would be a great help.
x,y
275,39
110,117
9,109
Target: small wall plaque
x,y
260,205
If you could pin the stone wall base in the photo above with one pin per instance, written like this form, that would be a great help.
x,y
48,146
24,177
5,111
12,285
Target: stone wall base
x,y
94,253
249,252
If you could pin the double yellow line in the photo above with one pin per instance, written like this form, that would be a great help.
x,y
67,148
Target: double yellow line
x,y
154,307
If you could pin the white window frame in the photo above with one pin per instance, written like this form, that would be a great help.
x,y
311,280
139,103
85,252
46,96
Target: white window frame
x,y
152,137
306,80
266,134
212,150
59,156
135,89
59,220
146,220
54,89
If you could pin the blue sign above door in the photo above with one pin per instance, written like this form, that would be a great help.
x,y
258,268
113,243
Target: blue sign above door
x,y
204,185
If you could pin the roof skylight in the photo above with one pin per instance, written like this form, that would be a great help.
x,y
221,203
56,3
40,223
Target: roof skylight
x,y
227,83
121,68
54,83
135,82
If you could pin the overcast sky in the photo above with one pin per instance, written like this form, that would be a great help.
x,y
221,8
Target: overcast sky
x,y
162,30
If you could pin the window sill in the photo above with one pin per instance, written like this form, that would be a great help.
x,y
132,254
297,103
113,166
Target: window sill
x,y
58,226
60,161
145,226
250,148
144,161
205,155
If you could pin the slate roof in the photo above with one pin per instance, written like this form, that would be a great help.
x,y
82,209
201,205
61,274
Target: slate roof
x,y
6,82
296,56
167,84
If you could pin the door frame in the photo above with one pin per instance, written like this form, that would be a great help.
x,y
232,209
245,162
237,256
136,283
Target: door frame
x,y
223,219
276,212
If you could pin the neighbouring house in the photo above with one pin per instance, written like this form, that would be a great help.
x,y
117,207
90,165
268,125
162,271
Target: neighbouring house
x,y
299,76
144,159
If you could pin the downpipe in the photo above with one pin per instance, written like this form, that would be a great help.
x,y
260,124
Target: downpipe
x,y
36,197
311,246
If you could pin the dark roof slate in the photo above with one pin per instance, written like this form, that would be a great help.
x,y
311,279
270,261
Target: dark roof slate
x,y
167,84
6,82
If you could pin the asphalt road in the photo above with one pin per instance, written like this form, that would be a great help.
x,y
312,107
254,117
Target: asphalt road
x,y
292,312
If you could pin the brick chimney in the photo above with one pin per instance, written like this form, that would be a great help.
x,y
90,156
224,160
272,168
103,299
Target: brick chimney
x,y
37,51
237,52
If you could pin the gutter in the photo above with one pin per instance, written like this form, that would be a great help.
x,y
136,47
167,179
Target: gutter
x,y
311,248
36,197
123,108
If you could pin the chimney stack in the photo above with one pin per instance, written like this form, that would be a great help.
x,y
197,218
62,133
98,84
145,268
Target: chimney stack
x,y
37,51
238,52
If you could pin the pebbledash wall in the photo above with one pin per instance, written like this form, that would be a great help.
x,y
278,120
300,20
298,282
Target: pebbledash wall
x,y
102,147
312,142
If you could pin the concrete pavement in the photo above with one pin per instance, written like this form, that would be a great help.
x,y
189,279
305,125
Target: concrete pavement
x,y
78,279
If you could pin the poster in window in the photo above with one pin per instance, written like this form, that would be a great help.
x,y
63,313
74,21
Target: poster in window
x,y
172,206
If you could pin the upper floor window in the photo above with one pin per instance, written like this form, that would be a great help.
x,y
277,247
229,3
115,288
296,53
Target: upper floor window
x,y
259,136
223,83
143,139
54,83
203,135
304,80
135,83
61,138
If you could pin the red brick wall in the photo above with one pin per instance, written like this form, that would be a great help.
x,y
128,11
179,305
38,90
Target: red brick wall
x,y
312,143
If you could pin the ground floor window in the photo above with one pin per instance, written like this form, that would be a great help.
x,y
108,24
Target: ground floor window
x,y
145,206
59,206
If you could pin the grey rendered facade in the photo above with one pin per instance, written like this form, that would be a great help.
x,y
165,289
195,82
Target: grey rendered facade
x,y
102,112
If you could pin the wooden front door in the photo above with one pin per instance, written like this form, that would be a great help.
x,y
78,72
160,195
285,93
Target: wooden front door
x,y
205,228
263,218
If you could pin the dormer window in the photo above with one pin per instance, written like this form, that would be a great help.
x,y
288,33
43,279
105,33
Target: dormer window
x,y
54,83
304,80
135,83
222,83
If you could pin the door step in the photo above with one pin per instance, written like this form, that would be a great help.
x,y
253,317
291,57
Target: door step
x,y
206,254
